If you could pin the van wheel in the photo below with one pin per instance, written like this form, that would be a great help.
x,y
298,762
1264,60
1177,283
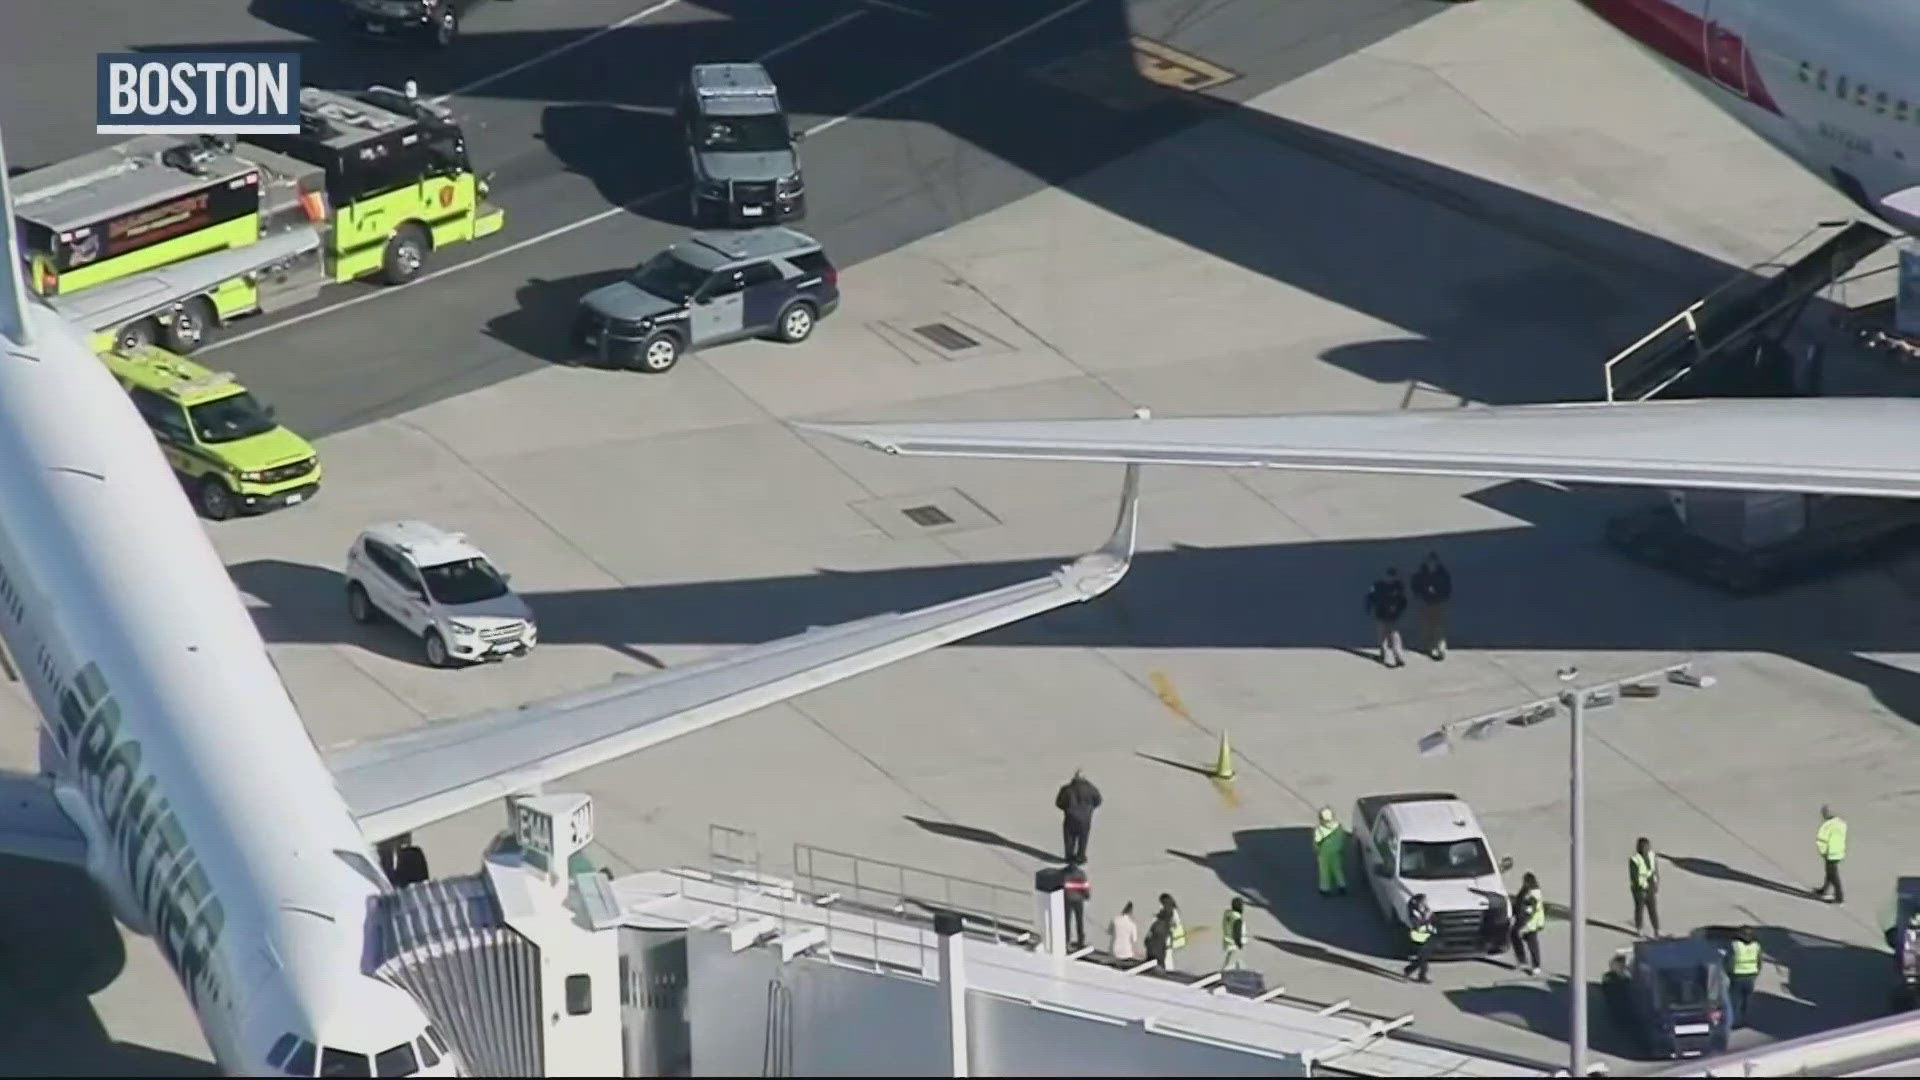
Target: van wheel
x,y
214,498
188,330
436,649
406,253
796,323
446,29
658,355
358,606
136,335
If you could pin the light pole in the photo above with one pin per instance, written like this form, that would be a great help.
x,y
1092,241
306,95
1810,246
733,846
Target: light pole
x,y
1576,700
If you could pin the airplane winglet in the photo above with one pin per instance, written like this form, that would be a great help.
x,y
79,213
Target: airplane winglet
x,y
1097,571
13,297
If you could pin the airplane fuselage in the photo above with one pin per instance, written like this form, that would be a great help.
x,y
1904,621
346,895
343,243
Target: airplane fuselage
x,y
1832,84
211,822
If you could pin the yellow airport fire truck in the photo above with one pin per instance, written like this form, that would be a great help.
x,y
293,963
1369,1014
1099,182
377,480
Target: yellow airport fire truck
x,y
162,238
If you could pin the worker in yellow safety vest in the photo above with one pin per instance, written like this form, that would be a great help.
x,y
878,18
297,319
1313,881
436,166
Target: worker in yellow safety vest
x,y
1419,938
1831,841
1529,918
1330,853
1743,970
1643,878
1233,934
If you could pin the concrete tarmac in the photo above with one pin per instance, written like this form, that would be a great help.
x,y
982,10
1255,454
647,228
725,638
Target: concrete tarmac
x,y
1481,205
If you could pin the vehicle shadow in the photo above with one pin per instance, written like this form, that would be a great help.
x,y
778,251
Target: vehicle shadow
x,y
312,606
975,835
59,945
542,325
601,142
1274,868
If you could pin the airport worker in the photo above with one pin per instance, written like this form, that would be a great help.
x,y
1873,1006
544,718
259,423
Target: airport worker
x,y
1419,939
1077,801
1330,853
1831,841
1077,891
1433,587
1387,602
1123,935
1743,970
1529,918
1643,880
1176,931
1233,934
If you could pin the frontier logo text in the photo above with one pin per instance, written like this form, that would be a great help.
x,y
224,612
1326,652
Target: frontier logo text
x,y
198,93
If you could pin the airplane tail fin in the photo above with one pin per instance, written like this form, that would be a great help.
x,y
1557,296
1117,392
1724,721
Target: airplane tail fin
x,y
13,293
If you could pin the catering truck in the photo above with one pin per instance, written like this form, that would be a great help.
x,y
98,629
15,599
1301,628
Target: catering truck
x,y
1429,843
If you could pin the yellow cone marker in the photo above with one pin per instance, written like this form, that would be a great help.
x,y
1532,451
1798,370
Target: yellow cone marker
x,y
1223,765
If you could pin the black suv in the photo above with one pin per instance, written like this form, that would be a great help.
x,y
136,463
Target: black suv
x,y
743,168
437,21
710,289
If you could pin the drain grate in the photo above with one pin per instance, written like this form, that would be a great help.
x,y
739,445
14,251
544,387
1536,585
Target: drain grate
x,y
945,336
928,517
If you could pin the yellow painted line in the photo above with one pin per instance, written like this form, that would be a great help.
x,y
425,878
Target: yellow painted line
x,y
1163,689
1133,75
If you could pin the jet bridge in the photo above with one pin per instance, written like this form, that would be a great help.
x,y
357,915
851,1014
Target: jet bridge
x,y
539,966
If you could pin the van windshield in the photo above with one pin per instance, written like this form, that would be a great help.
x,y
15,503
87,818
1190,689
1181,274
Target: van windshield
x,y
745,134
467,581
667,277
1421,861
230,419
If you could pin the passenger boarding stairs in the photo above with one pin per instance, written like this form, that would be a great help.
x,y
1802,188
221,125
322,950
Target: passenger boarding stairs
x,y
1727,343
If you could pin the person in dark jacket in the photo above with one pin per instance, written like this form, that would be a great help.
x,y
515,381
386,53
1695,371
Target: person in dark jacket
x,y
1159,937
1433,587
1077,892
1077,801
1387,602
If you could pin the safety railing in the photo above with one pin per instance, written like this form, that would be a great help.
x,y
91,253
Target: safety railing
x,y
998,912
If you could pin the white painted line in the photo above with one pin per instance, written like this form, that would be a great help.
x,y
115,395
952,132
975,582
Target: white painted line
x,y
613,211
560,50
945,69
808,36
901,8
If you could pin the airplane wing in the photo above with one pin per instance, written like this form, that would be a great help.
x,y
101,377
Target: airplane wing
x,y
1838,446
32,825
117,303
397,783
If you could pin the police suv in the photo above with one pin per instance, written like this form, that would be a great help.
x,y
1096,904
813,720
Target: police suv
x,y
712,288
740,148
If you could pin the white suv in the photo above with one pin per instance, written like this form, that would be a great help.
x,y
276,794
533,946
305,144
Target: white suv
x,y
441,589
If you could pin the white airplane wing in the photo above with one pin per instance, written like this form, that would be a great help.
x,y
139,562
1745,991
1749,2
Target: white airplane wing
x,y
117,303
1839,446
397,783
32,825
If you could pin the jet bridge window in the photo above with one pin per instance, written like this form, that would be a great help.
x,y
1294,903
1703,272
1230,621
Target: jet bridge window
x,y
344,1063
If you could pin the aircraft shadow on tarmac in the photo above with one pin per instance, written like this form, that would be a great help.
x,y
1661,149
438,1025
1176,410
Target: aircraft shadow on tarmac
x,y
59,946
1295,213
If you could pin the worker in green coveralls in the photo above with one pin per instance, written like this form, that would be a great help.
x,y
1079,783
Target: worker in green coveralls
x,y
1330,852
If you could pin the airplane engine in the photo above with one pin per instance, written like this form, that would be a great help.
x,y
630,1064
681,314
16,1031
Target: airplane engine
x,y
101,865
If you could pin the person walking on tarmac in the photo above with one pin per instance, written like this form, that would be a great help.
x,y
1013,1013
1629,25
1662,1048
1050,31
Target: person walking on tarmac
x,y
1387,602
1076,892
1643,879
1419,937
1233,934
1159,937
1743,970
1529,918
1433,587
1077,801
1831,841
1330,853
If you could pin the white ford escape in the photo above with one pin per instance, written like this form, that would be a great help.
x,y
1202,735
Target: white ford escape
x,y
441,589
